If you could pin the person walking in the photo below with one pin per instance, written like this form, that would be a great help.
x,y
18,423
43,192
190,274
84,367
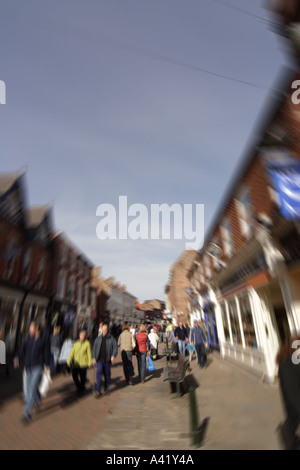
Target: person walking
x,y
81,359
198,338
36,352
143,346
64,354
174,340
162,330
55,341
132,331
289,381
181,335
191,350
126,344
104,353
153,340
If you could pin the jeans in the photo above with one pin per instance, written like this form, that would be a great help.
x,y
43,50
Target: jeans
x,y
201,354
33,378
162,337
102,369
127,364
142,359
181,346
53,361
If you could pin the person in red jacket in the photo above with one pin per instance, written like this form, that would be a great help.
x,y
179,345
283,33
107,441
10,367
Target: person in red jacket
x,y
143,347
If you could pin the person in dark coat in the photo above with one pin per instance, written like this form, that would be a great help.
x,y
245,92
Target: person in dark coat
x,y
181,335
288,360
104,352
36,352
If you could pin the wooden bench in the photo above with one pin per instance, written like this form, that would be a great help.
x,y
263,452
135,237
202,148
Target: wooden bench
x,y
177,374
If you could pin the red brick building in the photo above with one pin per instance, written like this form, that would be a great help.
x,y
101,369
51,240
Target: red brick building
x,y
43,275
176,290
74,297
247,273
25,260
245,282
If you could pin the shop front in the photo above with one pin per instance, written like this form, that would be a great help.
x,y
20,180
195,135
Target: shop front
x,y
17,309
256,310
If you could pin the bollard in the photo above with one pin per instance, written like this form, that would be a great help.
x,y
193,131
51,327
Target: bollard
x,y
194,418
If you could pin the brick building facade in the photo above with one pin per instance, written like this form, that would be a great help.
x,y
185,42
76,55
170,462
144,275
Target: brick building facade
x,y
43,276
245,283
245,279
176,289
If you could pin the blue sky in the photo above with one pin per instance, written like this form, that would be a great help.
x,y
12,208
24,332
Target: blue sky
x,y
106,98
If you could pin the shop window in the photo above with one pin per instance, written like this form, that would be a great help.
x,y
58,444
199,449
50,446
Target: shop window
x,y
26,320
234,321
40,314
247,322
225,321
8,321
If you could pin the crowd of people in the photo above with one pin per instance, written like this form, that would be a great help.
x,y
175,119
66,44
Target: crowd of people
x,y
56,352
47,353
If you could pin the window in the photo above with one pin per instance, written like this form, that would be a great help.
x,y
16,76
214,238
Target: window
x,y
79,292
61,284
71,289
10,255
41,272
227,237
225,321
215,253
63,254
27,261
247,322
86,294
73,261
234,321
245,212
207,266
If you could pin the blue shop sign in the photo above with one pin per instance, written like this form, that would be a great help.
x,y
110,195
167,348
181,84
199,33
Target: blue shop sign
x,y
286,181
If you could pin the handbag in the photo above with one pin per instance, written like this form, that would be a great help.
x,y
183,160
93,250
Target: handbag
x,y
150,366
45,384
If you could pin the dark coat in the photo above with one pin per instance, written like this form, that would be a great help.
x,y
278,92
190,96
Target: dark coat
x,y
36,351
181,333
111,347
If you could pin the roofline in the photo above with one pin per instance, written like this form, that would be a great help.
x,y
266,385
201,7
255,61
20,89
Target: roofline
x,y
276,97
65,237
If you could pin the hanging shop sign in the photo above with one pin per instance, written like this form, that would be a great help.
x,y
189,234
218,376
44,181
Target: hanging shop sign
x,y
287,184
284,171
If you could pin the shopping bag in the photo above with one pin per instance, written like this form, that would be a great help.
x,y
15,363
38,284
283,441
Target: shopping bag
x,y
150,367
25,389
45,384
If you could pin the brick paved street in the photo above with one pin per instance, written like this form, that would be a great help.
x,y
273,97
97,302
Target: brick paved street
x,y
65,421
234,408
